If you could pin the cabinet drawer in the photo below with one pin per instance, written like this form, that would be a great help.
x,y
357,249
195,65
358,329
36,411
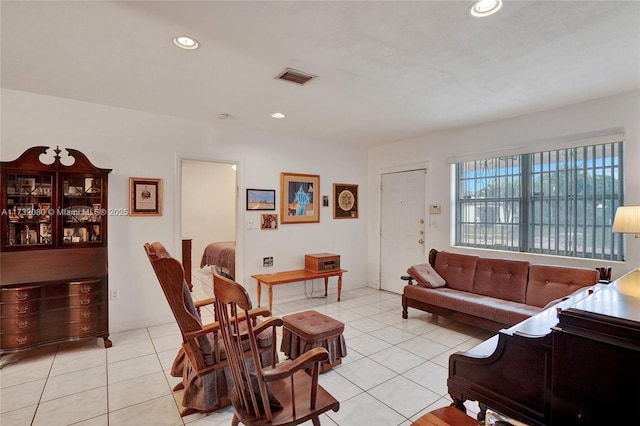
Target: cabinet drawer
x,y
20,294
20,340
86,314
84,287
82,329
20,324
19,309
76,301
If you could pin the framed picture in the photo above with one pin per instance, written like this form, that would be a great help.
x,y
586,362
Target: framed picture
x,y
268,221
145,197
299,198
345,201
261,199
67,237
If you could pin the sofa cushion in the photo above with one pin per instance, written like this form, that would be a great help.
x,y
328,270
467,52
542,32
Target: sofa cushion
x,y
458,270
547,282
502,311
502,278
426,276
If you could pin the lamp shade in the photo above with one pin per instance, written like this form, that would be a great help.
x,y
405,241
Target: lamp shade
x,y
627,220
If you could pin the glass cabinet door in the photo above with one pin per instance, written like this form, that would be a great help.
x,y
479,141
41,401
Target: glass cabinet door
x,y
29,209
82,212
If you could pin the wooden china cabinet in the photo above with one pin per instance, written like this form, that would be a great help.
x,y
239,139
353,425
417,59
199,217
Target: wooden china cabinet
x,y
53,249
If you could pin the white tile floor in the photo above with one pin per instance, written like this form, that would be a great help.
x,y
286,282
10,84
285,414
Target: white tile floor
x,y
395,370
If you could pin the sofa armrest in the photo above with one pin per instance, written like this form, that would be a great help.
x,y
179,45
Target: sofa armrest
x,y
407,278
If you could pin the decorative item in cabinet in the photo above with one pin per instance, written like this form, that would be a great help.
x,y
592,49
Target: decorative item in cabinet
x,y
53,249
27,209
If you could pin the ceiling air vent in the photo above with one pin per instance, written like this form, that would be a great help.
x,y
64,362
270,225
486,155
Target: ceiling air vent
x,y
295,76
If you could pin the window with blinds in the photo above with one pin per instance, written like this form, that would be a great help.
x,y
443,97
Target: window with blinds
x,y
559,202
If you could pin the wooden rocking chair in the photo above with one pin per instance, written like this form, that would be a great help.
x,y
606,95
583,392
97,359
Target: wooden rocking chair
x,y
202,360
283,394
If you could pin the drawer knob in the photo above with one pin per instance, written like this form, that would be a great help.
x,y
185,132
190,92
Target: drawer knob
x,y
22,309
85,314
22,296
85,328
22,340
85,289
23,324
85,301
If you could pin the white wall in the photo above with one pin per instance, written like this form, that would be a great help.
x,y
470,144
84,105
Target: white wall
x,y
620,112
208,204
146,145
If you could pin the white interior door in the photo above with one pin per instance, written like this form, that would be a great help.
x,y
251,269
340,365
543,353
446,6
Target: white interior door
x,y
402,226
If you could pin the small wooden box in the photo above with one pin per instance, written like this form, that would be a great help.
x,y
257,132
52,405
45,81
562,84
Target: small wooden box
x,y
321,262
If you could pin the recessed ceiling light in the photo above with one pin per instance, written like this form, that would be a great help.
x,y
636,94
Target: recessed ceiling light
x,y
482,8
278,115
185,42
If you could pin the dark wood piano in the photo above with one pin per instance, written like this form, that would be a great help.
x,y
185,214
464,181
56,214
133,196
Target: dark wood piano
x,y
576,363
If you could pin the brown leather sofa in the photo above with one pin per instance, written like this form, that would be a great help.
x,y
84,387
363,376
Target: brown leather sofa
x,y
489,293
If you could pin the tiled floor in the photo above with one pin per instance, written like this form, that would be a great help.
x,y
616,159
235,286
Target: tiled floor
x,y
394,372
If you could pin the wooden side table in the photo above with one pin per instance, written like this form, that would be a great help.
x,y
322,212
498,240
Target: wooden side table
x,y
288,277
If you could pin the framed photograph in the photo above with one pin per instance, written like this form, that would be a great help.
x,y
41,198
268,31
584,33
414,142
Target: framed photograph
x,y
261,199
299,198
345,201
145,197
45,233
83,234
67,237
268,221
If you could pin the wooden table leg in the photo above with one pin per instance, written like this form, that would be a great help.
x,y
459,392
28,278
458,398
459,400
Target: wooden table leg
x,y
270,293
258,290
326,285
339,286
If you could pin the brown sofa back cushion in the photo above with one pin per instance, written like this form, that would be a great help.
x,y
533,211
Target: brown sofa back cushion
x,y
458,270
547,282
501,278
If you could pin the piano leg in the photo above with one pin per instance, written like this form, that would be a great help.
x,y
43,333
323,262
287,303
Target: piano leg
x,y
482,413
459,404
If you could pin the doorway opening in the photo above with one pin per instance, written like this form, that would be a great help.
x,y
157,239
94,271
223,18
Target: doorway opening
x,y
208,209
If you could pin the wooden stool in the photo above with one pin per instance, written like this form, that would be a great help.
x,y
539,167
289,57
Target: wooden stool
x,y
446,416
310,329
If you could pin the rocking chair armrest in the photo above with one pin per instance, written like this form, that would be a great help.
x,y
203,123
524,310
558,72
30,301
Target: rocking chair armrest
x,y
260,311
287,368
253,313
206,329
204,302
269,322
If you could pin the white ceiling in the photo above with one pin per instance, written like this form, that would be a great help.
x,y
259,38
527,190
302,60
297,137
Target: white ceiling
x,y
387,71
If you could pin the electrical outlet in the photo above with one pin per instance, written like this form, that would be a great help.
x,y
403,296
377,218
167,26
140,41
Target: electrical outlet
x,y
114,294
267,262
